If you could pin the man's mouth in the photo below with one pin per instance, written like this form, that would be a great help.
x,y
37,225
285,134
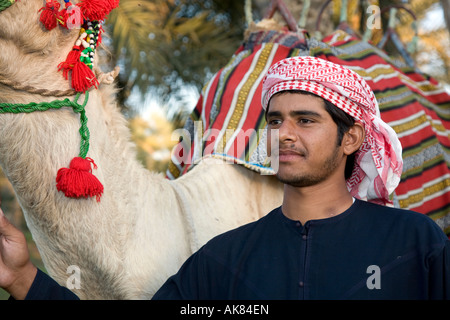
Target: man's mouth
x,y
287,155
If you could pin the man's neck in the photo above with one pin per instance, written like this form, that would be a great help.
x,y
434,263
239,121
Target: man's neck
x,y
315,202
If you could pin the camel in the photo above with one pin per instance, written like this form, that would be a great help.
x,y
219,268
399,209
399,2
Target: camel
x,y
122,245
145,226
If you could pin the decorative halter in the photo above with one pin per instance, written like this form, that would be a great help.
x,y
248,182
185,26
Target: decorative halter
x,y
88,14
77,181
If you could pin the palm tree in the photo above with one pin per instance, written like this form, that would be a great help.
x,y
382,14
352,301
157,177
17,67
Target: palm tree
x,y
163,46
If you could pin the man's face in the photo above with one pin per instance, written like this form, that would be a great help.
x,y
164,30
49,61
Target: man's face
x,y
308,152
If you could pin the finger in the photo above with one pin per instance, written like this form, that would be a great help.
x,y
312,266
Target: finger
x,y
2,215
6,228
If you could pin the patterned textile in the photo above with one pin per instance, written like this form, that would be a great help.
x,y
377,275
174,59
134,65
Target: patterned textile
x,y
378,163
412,103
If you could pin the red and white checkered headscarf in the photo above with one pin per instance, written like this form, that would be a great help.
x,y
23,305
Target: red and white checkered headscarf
x,y
378,163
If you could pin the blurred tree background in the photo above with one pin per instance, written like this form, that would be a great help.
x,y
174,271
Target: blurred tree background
x,y
168,49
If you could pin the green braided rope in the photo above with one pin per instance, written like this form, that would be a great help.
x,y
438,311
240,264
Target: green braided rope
x,y
56,104
5,4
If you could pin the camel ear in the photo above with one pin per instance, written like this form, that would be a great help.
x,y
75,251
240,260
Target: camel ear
x,y
353,138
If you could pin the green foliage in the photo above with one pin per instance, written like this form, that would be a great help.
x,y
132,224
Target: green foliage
x,y
163,46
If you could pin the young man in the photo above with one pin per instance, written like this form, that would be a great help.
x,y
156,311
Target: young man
x,y
322,243
331,238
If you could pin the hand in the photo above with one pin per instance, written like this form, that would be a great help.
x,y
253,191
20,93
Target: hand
x,y
17,273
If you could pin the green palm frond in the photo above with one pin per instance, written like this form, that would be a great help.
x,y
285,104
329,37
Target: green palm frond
x,y
161,48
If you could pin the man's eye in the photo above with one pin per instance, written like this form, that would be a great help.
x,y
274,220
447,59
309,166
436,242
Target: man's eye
x,y
305,121
274,122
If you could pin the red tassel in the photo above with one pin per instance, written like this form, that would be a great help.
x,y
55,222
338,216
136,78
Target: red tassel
x,y
77,181
82,77
72,58
97,10
49,14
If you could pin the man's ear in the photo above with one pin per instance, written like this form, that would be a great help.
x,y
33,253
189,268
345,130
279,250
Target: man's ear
x,y
353,138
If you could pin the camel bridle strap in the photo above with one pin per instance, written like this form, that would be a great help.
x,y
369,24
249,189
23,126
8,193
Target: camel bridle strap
x,y
30,89
56,104
77,181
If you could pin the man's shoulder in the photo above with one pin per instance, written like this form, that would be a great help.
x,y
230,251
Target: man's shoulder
x,y
235,239
402,221
395,214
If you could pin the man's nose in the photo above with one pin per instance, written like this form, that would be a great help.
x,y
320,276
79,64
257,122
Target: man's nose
x,y
287,131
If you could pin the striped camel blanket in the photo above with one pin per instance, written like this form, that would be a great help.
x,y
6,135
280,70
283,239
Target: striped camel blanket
x,y
228,120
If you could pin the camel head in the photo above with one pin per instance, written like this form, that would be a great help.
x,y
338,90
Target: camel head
x,y
20,24
30,52
33,46
48,52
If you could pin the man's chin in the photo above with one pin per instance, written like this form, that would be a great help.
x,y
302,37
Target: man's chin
x,y
297,180
289,179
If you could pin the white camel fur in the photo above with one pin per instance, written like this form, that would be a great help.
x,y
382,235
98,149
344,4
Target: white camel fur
x,y
145,226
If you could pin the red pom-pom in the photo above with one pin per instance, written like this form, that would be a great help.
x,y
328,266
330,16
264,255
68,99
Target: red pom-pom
x,y
77,181
49,14
82,77
97,10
